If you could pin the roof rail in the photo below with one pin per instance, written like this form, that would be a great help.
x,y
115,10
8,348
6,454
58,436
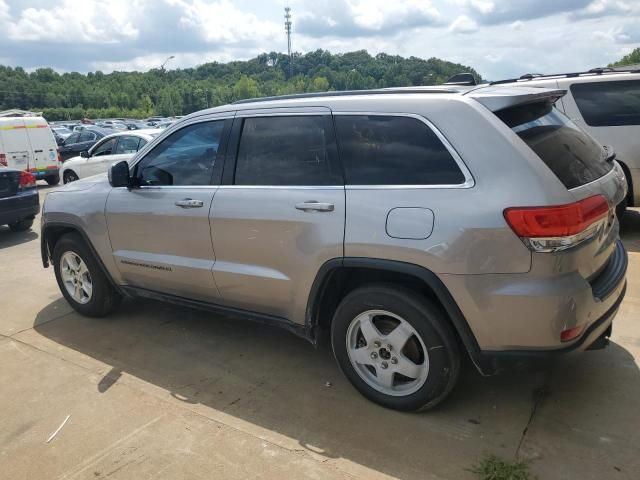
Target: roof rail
x,y
593,71
345,93
529,76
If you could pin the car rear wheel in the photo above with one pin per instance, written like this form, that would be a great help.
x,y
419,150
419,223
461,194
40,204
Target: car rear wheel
x,y
395,347
53,179
21,226
69,176
81,279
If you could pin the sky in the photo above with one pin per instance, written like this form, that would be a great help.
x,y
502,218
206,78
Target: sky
x,y
499,38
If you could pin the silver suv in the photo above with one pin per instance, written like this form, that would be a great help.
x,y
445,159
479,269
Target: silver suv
x,y
409,225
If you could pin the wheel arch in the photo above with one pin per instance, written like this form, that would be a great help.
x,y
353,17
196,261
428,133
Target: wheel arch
x,y
627,174
67,171
339,276
54,231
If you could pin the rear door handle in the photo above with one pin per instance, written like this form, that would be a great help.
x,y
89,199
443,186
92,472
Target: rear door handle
x,y
189,203
312,205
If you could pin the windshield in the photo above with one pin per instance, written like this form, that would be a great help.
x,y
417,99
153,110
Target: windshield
x,y
571,154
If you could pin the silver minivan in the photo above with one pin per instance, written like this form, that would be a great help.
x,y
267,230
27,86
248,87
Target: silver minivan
x,y
409,227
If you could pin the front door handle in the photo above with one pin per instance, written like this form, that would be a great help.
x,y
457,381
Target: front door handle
x,y
312,205
189,203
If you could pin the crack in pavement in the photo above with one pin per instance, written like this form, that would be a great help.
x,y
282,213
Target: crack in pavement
x,y
32,327
539,394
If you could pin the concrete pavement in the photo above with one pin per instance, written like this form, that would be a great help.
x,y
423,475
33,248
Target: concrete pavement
x,y
157,391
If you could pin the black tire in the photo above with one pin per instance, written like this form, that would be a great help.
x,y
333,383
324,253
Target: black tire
x,y
53,180
69,176
104,297
21,226
426,318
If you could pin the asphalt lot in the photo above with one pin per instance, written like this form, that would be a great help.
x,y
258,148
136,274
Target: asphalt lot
x,y
158,391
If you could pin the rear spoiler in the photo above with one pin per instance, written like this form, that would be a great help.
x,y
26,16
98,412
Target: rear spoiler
x,y
497,98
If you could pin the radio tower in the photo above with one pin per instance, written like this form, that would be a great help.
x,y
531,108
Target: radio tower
x,y
287,28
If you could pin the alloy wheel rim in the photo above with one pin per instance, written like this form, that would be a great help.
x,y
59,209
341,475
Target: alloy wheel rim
x,y
387,353
76,277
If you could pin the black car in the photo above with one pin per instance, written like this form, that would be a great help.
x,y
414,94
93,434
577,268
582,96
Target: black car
x,y
80,141
19,203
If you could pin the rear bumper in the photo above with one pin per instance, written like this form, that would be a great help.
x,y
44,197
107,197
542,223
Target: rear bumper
x,y
22,206
44,172
597,331
528,312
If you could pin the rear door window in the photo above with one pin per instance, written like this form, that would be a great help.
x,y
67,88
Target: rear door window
x,y
608,104
287,151
393,150
571,154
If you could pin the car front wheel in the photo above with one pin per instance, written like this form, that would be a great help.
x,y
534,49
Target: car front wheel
x,y
69,176
395,347
81,279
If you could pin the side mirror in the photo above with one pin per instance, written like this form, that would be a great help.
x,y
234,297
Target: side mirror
x,y
119,175
84,154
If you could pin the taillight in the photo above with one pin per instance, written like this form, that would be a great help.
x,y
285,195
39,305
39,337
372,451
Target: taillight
x,y
27,180
59,158
549,229
3,159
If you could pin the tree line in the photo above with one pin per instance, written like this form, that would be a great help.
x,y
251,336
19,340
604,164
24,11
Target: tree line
x,y
178,92
632,58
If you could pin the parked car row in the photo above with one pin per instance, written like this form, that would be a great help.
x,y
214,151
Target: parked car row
x,y
409,227
109,149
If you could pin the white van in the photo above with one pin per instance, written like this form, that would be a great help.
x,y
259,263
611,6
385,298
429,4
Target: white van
x,y
27,143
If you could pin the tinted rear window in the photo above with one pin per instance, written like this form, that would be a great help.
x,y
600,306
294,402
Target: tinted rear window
x,y
286,151
574,157
393,150
608,104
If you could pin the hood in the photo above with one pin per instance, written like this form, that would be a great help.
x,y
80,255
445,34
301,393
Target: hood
x,y
72,160
84,183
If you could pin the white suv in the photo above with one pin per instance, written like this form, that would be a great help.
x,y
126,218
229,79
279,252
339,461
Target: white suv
x,y
606,103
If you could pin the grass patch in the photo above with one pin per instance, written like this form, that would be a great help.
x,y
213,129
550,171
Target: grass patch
x,y
494,468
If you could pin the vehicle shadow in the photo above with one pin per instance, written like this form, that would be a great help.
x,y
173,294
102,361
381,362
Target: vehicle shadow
x,y
9,238
292,394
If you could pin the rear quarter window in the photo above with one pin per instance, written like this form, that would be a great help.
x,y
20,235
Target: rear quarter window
x,y
571,154
393,150
608,104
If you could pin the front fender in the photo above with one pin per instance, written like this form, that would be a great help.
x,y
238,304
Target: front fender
x,y
79,206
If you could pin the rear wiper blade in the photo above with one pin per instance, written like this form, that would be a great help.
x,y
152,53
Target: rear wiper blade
x,y
610,153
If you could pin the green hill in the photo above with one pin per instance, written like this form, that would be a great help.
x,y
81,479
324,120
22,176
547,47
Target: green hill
x,y
182,91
